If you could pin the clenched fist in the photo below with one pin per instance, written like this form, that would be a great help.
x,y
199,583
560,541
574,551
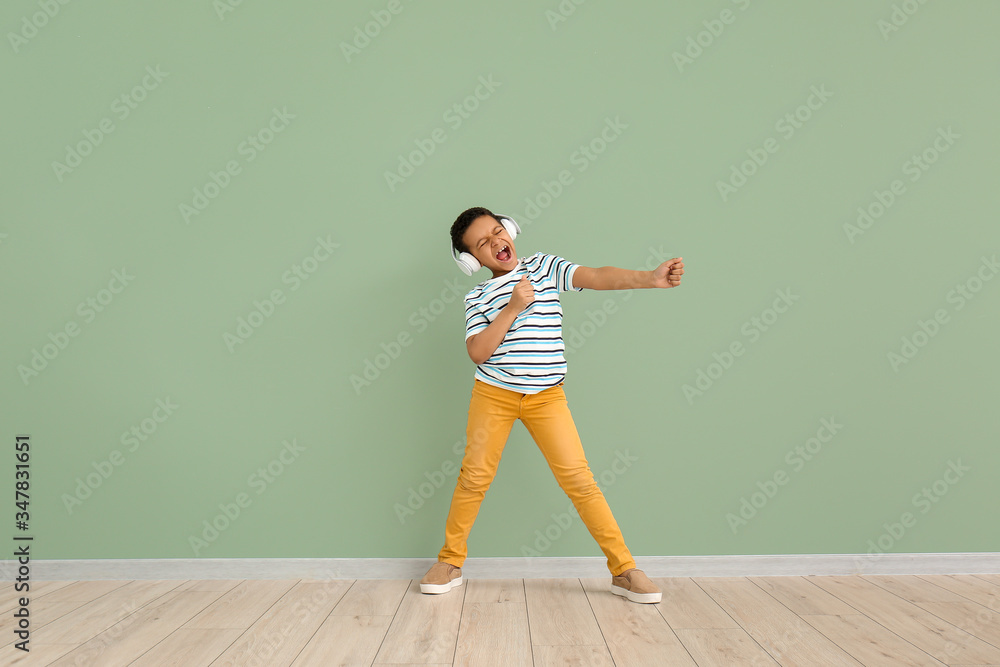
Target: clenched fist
x,y
522,296
669,273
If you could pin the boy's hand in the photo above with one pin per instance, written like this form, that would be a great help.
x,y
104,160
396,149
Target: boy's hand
x,y
669,273
522,295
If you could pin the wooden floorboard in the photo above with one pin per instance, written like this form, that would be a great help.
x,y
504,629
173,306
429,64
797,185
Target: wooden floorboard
x,y
636,634
778,630
942,640
868,620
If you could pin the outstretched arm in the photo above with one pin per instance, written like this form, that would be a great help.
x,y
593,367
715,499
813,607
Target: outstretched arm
x,y
665,275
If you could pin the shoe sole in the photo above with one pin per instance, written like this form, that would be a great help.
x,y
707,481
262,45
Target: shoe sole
x,y
636,597
441,588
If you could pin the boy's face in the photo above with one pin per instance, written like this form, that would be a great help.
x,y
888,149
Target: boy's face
x,y
485,239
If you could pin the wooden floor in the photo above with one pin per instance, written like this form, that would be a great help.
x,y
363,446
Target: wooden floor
x,y
815,620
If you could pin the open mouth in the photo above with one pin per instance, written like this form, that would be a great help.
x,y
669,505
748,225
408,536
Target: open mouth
x,y
504,254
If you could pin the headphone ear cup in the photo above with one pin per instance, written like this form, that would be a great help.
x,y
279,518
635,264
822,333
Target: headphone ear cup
x,y
468,263
511,226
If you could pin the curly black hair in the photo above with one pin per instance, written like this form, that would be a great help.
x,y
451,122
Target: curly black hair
x,y
462,223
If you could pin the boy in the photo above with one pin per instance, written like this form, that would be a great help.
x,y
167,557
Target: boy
x,y
514,336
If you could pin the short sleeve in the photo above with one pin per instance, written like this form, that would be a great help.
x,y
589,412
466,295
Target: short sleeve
x,y
475,321
561,273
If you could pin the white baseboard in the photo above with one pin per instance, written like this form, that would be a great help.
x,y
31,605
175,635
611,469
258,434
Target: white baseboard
x,y
506,568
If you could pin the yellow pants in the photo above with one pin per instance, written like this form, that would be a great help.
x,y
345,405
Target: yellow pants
x,y
492,411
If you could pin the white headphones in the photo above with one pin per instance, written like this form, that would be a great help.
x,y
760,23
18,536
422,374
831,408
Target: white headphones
x,y
468,263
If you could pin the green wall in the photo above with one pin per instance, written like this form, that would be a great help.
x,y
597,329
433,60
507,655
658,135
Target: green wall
x,y
140,217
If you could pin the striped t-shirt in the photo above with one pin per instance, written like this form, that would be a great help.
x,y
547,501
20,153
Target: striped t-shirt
x,y
530,357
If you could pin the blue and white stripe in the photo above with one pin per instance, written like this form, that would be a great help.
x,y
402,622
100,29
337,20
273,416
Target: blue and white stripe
x,y
530,357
